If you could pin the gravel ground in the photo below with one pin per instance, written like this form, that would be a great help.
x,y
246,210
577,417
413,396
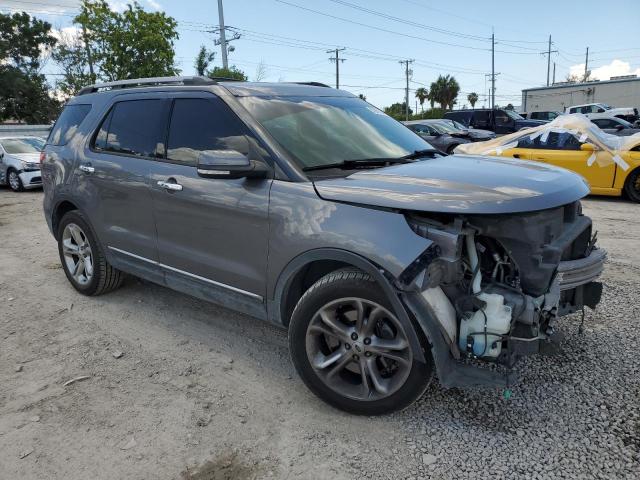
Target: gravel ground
x,y
177,388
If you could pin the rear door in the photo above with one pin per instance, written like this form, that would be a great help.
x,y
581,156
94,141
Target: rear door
x,y
113,180
481,119
212,233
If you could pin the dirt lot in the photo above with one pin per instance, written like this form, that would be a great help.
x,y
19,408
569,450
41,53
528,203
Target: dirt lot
x,y
200,392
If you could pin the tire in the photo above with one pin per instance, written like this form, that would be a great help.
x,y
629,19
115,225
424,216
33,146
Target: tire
x,y
13,180
334,364
94,276
632,185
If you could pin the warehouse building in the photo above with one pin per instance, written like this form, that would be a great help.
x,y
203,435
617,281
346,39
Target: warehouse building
x,y
617,92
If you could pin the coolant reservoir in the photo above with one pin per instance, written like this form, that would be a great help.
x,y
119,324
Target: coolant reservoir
x,y
485,341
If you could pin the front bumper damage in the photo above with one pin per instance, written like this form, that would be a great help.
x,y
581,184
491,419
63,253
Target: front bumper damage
x,y
567,260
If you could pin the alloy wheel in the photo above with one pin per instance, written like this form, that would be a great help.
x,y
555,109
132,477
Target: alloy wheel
x,y
77,254
14,180
358,349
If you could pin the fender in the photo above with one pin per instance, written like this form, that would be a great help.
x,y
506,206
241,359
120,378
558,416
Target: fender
x,y
274,306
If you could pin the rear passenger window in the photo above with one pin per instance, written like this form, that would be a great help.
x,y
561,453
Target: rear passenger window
x,y
482,119
134,127
67,124
199,124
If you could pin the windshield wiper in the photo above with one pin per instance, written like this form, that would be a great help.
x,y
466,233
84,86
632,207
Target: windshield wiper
x,y
420,153
363,162
372,162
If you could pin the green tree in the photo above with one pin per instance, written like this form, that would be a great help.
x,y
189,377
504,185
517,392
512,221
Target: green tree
x,y
422,94
203,60
233,73
24,92
445,90
398,110
118,45
72,56
473,98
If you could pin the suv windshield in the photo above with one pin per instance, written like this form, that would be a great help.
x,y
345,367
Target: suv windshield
x,y
22,145
443,127
318,131
513,115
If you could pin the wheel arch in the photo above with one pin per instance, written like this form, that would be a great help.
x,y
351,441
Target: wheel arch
x,y
60,210
311,266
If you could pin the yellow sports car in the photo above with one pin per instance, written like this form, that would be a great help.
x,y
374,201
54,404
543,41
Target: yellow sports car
x,y
610,164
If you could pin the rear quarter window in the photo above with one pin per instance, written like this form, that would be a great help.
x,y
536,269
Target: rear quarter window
x,y
68,123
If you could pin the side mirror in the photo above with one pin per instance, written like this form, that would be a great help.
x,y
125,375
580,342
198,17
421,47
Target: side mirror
x,y
229,164
587,147
619,127
600,110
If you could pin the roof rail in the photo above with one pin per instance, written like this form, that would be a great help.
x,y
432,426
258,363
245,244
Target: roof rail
x,y
145,82
313,84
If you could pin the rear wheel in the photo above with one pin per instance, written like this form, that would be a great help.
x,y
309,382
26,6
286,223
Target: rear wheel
x,y
13,179
632,185
351,349
82,257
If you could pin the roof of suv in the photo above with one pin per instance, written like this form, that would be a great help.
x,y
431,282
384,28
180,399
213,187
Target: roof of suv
x,y
236,88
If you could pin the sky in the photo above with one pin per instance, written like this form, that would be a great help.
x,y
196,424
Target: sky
x,y
290,39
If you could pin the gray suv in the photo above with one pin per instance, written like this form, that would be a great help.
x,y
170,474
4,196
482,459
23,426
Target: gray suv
x,y
307,207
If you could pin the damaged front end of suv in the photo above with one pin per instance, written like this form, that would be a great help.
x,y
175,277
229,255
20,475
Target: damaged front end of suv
x,y
501,264
498,284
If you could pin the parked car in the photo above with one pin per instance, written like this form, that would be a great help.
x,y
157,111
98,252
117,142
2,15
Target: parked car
x,y
543,115
498,120
609,164
307,207
445,138
616,126
602,110
20,162
474,134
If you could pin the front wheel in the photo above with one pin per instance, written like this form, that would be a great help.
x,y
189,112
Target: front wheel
x,y
351,350
13,179
632,185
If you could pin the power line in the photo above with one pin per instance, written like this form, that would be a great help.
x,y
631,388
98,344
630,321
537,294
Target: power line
x,y
409,22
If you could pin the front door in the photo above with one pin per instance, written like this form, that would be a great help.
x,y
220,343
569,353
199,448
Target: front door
x,y
212,233
113,181
563,149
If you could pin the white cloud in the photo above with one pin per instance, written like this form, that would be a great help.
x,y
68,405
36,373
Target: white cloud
x,y
615,69
44,8
153,4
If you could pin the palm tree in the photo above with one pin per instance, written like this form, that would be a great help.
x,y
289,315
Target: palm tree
x,y
473,98
422,94
362,96
448,89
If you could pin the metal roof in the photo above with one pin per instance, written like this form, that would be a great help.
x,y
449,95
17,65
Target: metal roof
x,y
583,84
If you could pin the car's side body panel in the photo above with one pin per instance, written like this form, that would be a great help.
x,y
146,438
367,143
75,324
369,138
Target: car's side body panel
x,y
301,222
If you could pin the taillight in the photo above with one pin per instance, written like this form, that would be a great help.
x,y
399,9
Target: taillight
x,y
43,156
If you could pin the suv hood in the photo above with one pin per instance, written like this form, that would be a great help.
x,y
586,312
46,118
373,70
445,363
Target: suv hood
x,y
459,184
530,123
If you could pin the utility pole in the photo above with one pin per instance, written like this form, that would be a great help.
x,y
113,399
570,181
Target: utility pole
x,y
548,60
548,54
337,59
406,95
553,82
223,40
493,70
586,65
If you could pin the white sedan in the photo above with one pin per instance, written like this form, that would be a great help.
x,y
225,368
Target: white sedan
x,y
20,162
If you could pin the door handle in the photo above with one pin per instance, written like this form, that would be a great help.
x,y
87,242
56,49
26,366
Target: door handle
x,y
87,168
175,187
